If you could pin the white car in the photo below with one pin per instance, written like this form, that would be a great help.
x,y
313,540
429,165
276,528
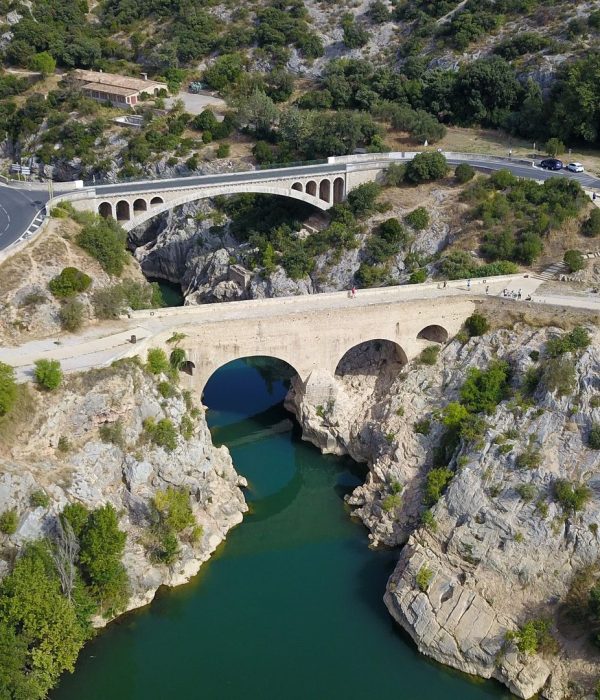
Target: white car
x,y
575,167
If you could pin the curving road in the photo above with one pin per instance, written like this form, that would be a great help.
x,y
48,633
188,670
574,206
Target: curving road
x,y
19,206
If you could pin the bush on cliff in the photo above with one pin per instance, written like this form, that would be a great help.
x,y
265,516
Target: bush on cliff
x,y
8,388
48,374
105,240
69,282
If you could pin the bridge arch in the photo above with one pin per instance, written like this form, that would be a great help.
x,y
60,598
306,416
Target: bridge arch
x,y
325,190
272,367
139,206
311,188
155,201
372,357
298,187
105,209
434,333
338,190
123,210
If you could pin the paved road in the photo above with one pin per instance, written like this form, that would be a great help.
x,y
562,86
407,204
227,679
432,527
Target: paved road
x,y
18,208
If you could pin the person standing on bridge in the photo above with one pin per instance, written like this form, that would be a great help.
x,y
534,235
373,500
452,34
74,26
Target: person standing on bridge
x,y
469,284
353,292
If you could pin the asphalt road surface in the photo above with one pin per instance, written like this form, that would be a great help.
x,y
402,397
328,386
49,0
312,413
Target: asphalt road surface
x,y
18,208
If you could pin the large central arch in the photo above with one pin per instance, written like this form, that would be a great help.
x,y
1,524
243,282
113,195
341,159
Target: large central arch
x,y
146,206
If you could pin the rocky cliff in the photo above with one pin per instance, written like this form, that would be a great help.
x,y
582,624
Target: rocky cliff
x,y
499,548
56,447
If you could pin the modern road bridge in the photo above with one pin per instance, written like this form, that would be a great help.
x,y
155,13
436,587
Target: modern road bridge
x,y
322,185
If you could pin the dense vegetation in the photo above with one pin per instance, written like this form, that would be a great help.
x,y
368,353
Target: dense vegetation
x,y
48,598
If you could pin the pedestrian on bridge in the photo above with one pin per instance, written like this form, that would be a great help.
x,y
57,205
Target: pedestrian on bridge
x,y
353,292
469,284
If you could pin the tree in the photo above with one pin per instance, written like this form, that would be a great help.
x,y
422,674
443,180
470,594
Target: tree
x,y
105,240
426,166
8,388
483,390
355,35
225,71
378,12
43,62
101,547
555,147
362,199
257,112
44,623
48,374
574,260
64,555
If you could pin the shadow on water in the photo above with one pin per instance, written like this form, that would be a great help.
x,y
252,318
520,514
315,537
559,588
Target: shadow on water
x,y
290,606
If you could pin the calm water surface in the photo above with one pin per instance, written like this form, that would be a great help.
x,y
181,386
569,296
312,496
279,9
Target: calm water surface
x,y
290,607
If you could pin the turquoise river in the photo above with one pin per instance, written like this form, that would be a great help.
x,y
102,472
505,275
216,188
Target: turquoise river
x,y
290,607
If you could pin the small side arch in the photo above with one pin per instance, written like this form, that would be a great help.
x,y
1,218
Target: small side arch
x,y
105,210
298,186
140,205
155,201
311,188
372,357
338,190
188,367
434,333
325,190
123,210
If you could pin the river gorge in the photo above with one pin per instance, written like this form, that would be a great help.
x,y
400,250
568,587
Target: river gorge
x,y
291,605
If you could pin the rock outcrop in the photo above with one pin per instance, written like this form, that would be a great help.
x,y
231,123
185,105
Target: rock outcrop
x,y
59,450
498,548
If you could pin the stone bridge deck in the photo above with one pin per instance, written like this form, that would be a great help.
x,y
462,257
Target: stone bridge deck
x,y
311,332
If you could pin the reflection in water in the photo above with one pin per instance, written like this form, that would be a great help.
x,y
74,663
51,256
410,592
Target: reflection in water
x,y
290,607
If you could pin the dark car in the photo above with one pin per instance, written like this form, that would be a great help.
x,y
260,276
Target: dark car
x,y
551,164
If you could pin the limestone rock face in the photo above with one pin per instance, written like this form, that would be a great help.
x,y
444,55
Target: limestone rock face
x,y
498,554
127,475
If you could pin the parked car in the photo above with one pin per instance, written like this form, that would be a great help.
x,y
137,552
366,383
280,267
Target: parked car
x,y
575,167
551,164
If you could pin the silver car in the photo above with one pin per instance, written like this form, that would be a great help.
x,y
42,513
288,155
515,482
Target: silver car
x,y
575,167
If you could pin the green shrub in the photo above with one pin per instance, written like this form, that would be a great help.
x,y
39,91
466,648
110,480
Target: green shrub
x,y
71,315
428,520
223,150
9,521
418,276
526,491
426,166
571,498
186,427
429,355
162,433
533,636
591,226
76,514
39,499
64,444
8,388
418,219
362,198
424,577
531,458
463,173
157,362
476,325
113,433
483,390
177,358
105,240
577,339
559,375
48,374
436,483
395,174
423,427
173,508
166,390
574,260
69,282
391,502
555,147
594,437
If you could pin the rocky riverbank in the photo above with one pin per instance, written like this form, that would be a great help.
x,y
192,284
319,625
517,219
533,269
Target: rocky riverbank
x,y
88,443
501,547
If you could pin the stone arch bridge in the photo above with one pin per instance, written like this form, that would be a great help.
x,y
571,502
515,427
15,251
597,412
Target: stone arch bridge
x,y
134,203
311,333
